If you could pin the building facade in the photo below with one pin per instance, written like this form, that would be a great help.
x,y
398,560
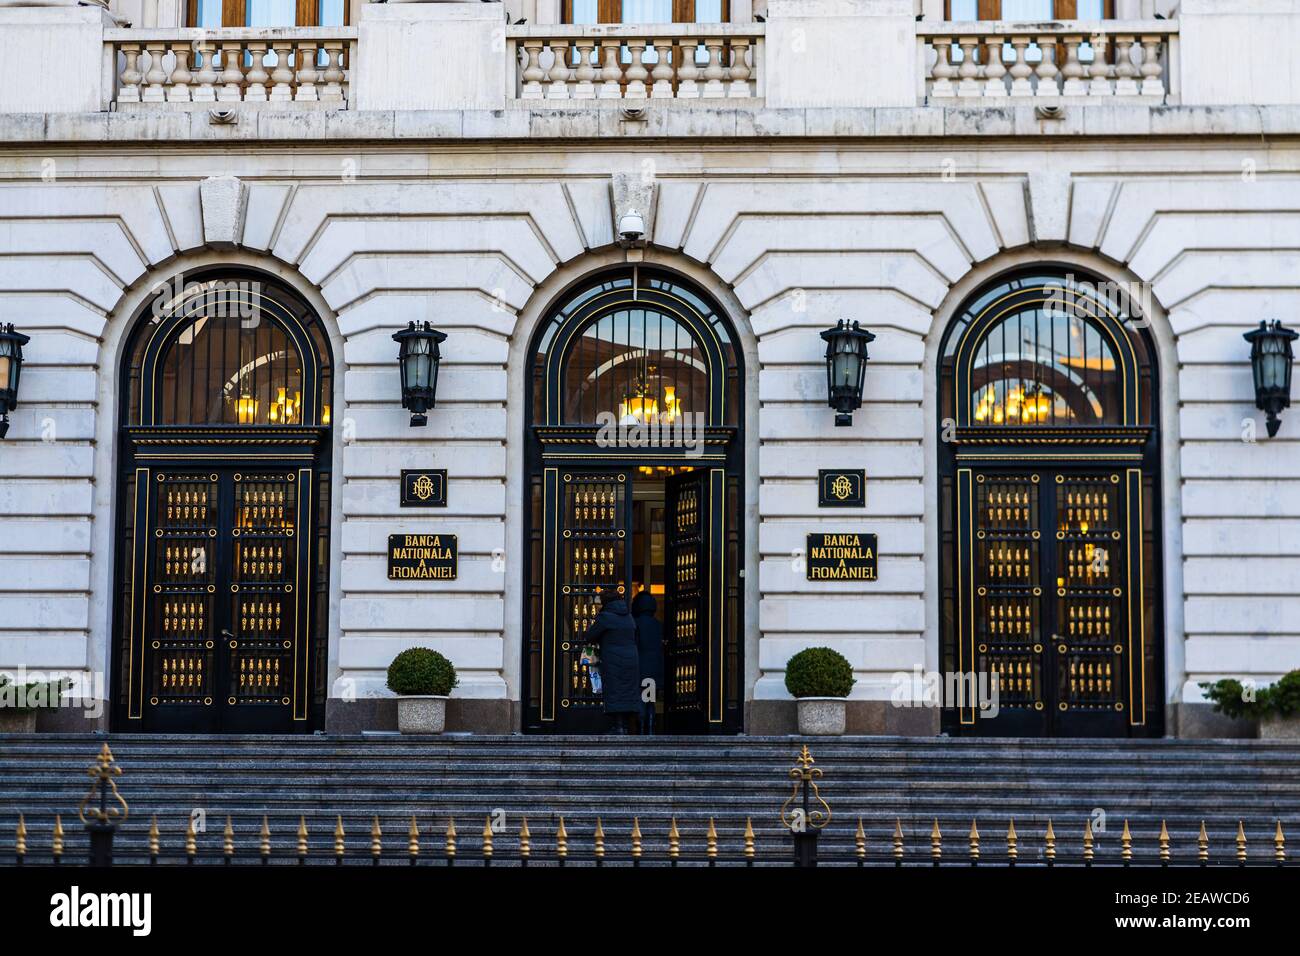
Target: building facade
x,y
1056,221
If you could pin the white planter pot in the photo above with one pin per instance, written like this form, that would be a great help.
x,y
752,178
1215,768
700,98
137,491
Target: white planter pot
x,y
1277,727
821,716
17,721
421,715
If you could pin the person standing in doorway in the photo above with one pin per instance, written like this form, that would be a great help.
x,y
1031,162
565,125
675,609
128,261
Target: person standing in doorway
x,y
650,654
615,632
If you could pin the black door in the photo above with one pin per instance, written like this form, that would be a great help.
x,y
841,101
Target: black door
x,y
694,618
219,622
1050,607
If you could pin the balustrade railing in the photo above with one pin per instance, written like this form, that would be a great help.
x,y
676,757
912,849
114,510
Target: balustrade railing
x,y
628,62
304,65
1080,61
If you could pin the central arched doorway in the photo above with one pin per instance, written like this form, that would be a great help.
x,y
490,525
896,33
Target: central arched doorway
x,y
635,484
222,565
1049,453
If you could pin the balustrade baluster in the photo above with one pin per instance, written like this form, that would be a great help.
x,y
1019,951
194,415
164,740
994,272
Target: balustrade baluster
x,y
1098,81
561,71
662,74
256,79
206,91
637,74
585,73
282,74
688,71
232,74
178,88
1073,71
533,73
740,69
156,76
1047,70
969,70
1020,69
332,77
713,74
1152,71
129,89
611,73
995,72
942,70
308,74
1125,72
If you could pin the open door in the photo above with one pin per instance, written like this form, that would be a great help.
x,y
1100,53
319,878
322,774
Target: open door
x,y
694,618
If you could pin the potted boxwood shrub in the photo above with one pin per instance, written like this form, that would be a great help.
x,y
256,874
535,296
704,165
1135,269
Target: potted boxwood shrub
x,y
19,705
819,679
422,679
1275,707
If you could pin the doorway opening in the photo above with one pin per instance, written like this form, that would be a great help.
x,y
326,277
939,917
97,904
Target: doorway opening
x,y
635,464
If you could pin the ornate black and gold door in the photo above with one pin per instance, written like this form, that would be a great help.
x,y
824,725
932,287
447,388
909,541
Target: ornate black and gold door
x,y
1051,614
218,623
694,626
223,541
588,515
1049,471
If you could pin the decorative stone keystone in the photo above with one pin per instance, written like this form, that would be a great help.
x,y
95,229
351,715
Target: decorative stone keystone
x,y
224,200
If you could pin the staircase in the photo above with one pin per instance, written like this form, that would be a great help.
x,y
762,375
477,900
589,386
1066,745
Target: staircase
x,y
877,779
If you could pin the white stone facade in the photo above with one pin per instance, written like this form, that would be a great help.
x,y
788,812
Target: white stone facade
x,y
793,213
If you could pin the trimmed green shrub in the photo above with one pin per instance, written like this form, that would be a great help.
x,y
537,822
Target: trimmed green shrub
x,y
819,672
1230,697
35,695
421,672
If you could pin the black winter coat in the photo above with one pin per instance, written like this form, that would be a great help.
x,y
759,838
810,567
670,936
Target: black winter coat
x,y
614,631
649,640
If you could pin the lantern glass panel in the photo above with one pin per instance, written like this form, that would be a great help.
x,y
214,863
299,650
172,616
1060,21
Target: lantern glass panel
x,y
7,368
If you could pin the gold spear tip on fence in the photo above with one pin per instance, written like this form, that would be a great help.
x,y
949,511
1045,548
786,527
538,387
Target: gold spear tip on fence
x,y
20,846
636,836
805,758
376,838
228,838
749,838
57,845
413,838
264,842
974,839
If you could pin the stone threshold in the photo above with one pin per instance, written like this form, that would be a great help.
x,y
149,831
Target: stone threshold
x,y
713,123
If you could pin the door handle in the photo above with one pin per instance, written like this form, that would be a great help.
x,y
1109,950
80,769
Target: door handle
x,y
226,633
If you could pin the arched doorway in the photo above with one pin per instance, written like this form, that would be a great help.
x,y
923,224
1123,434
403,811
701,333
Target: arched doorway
x,y
1049,511
635,483
222,590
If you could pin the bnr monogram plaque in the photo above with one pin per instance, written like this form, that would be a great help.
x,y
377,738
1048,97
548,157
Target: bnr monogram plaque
x,y
842,488
421,557
424,489
841,557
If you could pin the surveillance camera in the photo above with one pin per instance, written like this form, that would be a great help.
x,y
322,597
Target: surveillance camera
x,y
631,228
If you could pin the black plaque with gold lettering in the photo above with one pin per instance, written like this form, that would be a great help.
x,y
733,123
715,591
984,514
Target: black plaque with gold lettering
x,y
847,556
421,557
424,489
842,488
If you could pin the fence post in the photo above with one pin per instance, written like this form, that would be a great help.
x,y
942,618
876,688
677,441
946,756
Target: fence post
x,y
806,821
101,821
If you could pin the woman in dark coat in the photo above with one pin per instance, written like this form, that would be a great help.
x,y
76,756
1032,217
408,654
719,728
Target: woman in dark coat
x,y
650,652
615,632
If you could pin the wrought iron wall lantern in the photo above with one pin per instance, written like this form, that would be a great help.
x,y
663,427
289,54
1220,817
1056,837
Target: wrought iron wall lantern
x,y
846,368
1271,359
419,357
11,366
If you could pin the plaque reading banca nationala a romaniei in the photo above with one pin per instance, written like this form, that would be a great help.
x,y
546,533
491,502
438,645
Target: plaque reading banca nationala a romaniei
x,y
421,557
844,556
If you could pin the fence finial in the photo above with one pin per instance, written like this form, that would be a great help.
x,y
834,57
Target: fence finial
x,y
57,844
1164,843
228,840
191,844
451,838
974,839
376,840
860,841
674,841
525,841
749,839
413,840
1241,843
561,841
898,841
1087,841
1049,843
599,839
264,839
20,841
936,842
339,846
102,785
1203,845
1279,844
302,839
1126,844
711,841
636,838
487,838
1013,849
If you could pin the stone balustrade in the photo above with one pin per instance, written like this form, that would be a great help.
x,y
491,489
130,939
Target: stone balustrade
x,y
305,66
1074,61
679,61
